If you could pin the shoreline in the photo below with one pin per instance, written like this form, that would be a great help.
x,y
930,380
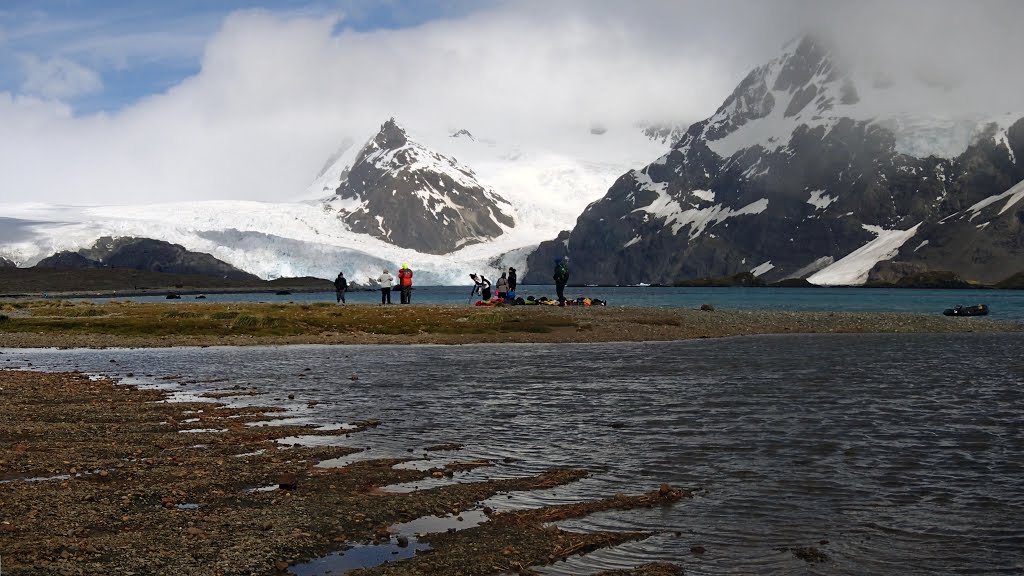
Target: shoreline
x,y
98,478
64,324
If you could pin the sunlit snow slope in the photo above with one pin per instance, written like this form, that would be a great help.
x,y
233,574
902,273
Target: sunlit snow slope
x,y
546,188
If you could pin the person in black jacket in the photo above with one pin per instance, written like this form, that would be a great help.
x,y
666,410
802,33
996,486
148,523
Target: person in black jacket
x,y
340,285
485,288
511,279
482,286
561,278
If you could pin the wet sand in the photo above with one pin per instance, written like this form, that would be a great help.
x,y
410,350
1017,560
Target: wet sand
x,y
97,478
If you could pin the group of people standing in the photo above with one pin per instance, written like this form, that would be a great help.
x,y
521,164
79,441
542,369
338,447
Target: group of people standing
x,y
385,281
504,289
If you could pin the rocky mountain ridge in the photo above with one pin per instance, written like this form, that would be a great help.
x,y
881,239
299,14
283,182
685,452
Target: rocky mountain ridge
x,y
402,192
792,178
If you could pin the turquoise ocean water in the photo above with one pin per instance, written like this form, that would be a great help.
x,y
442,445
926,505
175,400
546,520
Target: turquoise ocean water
x,y
1004,304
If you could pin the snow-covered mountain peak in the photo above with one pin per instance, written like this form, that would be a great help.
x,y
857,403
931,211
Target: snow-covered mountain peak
x,y
812,168
391,136
812,85
392,150
403,192
803,86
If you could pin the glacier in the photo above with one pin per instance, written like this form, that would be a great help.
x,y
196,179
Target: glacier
x,y
547,188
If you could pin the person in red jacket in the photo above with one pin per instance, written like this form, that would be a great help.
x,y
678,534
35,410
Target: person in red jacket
x,y
405,281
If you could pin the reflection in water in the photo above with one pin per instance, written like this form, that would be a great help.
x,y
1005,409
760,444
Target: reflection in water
x,y
358,556
898,450
434,524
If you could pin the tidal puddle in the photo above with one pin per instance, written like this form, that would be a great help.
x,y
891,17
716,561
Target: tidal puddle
x,y
402,545
481,474
312,440
425,463
359,556
287,421
433,524
180,397
343,461
307,421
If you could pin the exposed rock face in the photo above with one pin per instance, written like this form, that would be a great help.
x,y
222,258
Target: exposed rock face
x,y
1015,282
542,260
159,256
791,178
68,261
981,241
891,272
5,263
401,192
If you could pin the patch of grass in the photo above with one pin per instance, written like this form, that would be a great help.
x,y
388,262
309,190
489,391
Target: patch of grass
x,y
265,319
65,311
248,323
245,322
491,319
4,318
180,314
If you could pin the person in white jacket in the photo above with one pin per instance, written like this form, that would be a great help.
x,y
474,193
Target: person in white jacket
x,y
385,281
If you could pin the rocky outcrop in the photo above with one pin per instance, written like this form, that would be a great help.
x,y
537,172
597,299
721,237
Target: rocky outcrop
x,y
541,262
744,279
935,279
410,196
66,260
159,256
5,263
1014,282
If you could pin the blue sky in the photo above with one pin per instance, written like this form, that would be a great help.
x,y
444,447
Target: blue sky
x,y
103,55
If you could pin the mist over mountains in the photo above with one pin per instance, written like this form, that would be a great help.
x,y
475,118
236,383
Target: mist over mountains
x,y
815,166
808,171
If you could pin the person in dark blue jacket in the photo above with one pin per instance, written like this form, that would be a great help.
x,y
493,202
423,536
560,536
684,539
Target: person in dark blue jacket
x,y
561,278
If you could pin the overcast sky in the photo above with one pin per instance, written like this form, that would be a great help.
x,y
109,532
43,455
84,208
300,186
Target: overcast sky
x,y
128,102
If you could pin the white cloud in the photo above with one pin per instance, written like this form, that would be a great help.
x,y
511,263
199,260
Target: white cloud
x,y
58,78
276,94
